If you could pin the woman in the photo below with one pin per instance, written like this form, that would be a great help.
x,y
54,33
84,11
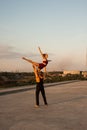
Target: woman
x,y
39,65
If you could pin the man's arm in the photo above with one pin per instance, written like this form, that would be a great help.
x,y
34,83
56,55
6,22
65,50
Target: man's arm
x,y
36,74
35,71
45,70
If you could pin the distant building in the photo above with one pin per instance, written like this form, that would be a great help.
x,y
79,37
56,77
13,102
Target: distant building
x,y
84,73
65,72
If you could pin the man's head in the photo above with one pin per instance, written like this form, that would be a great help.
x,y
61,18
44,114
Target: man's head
x,y
41,74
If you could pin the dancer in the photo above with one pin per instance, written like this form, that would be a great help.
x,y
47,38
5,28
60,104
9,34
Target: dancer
x,y
39,86
40,65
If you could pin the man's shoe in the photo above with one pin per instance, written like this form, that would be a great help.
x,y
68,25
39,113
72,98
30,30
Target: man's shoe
x,y
36,106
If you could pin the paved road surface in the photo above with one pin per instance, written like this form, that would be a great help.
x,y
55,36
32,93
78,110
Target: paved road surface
x,y
67,109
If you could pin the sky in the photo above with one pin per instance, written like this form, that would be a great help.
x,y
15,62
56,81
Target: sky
x,y
58,27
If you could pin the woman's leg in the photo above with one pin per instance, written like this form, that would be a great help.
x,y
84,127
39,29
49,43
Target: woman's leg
x,y
30,61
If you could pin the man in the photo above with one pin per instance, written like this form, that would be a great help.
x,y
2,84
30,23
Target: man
x,y
39,85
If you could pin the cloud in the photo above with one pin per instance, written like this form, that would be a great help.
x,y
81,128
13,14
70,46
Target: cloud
x,y
10,52
7,51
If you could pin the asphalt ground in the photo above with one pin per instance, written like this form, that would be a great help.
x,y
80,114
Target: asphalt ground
x,y
66,110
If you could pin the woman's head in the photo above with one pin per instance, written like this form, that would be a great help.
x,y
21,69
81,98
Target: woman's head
x,y
45,55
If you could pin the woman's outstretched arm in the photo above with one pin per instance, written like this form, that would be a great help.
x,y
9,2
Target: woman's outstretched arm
x,y
40,52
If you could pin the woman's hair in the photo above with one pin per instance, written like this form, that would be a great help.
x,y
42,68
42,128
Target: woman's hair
x,y
45,54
